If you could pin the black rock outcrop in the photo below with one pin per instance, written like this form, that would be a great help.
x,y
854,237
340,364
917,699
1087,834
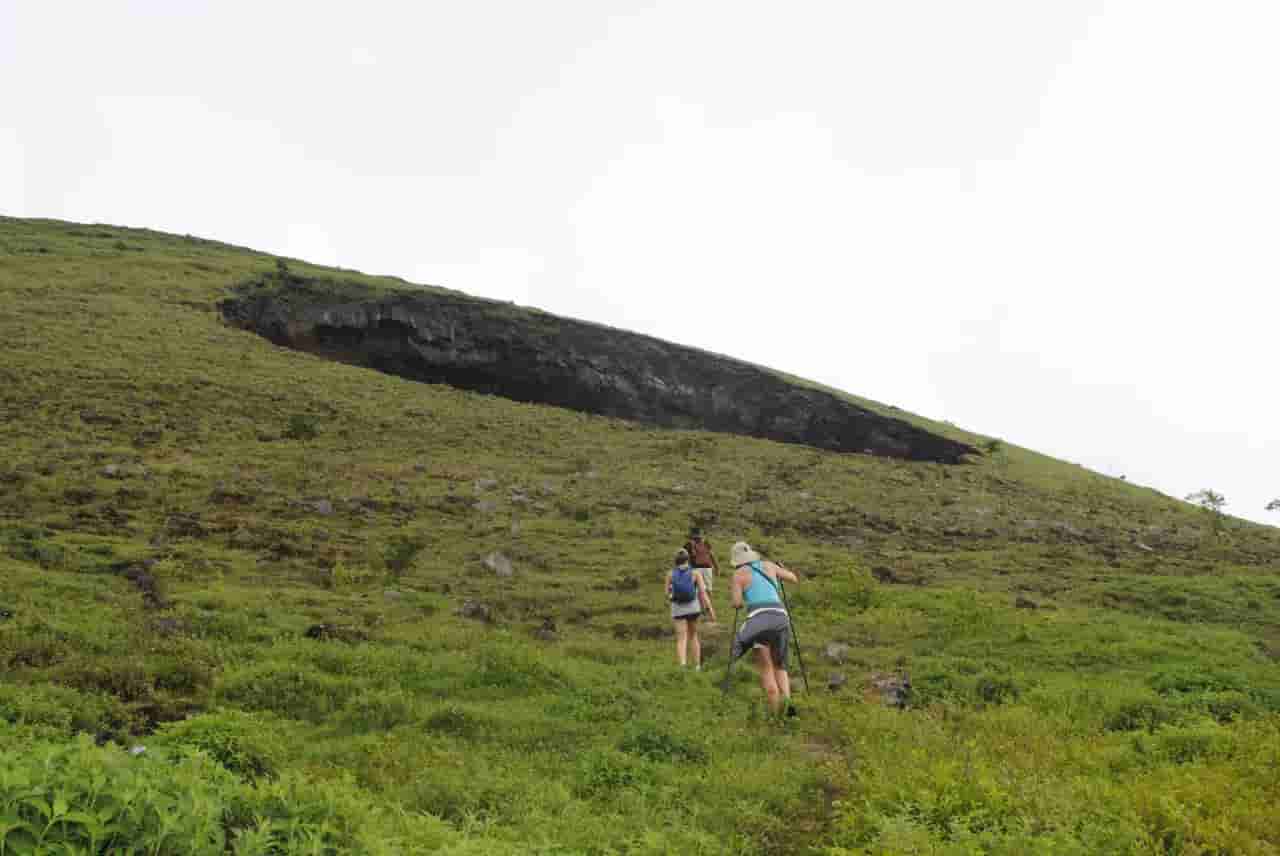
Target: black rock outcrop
x,y
527,355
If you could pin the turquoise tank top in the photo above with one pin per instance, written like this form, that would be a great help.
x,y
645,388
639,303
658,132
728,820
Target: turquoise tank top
x,y
762,592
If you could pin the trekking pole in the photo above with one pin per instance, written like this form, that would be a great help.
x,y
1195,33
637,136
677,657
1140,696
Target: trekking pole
x,y
724,687
794,638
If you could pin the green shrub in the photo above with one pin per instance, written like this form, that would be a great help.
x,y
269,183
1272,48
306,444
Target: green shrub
x,y
301,427
296,692
997,689
454,720
1140,714
399,553
246,744
379,710
61,711
80,798
602,773
511,669
648,739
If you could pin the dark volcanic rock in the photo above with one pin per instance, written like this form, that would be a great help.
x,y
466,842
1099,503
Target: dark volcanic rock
x,y
526,355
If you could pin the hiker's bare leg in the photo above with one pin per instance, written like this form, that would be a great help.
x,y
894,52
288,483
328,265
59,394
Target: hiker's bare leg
x,y
783,680
695,644
764,665
682,640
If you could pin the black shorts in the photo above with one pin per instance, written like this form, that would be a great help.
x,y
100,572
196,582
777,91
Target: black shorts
x,y
765,628
692,617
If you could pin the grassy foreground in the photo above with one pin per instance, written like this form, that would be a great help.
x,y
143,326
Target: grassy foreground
x,y
245,607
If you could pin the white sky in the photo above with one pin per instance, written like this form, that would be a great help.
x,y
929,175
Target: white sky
x,y
1053,221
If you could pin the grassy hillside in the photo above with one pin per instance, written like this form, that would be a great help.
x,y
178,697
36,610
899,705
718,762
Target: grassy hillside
x,y
270,571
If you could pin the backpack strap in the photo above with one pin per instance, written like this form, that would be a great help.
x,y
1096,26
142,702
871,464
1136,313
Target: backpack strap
x,y
757,568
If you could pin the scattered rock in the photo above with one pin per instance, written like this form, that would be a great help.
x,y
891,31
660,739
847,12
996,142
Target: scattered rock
x,y
167,626
137,750
147,583
499,564
392,594
546,488
884,574
1145,548
93,417
1025,603
547,632
486,506
485,484
837,681
322,507
628,583
335,633
112,471
837,652
895,690
419,468
477,611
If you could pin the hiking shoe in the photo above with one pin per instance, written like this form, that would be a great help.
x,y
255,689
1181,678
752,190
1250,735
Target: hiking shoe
x,y
791,711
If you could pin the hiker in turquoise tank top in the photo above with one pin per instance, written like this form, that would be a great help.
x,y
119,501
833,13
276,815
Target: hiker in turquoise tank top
x,y
687,592
767,629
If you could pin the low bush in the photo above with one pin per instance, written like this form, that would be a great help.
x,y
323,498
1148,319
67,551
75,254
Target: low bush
x,y
246,744
80,798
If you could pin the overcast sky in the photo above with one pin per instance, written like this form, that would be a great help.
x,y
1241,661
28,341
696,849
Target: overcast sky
x,y
1053,221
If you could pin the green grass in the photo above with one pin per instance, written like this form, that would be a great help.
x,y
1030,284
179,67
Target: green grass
x,y
181,502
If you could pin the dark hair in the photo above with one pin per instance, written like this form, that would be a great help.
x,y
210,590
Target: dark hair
x,y
695,532
682,556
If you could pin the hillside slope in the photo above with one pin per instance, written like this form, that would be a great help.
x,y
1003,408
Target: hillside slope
x,y
211,543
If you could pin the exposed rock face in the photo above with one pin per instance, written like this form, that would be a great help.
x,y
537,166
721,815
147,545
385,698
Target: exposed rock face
x,y
530,356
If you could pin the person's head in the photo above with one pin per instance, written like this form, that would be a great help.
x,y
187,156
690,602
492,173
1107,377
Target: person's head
x,y
742,554
682,558
695,534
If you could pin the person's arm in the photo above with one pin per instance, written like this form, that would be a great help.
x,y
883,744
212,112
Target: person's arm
x,y
715,566
783,573
669,573
736,590
704,597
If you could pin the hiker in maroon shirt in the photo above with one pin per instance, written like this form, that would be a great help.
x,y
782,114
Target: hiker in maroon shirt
x,y
702,557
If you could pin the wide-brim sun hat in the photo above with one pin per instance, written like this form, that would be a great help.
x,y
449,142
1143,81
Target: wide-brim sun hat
x,y
741,554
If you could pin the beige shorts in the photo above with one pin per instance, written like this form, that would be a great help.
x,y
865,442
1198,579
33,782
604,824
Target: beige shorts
x,y
707,574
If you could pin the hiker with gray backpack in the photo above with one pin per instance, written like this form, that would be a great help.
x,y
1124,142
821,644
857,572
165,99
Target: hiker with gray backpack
x,y
758,585
687,592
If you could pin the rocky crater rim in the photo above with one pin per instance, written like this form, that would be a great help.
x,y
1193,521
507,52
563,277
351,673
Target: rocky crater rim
x,y
438,336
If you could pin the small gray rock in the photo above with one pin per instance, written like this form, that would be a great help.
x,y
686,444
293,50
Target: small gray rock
x,y
112,471
499,564
1025,603
485,484
392,594
323,507
895,690
837,652
837,681
486,506
478,611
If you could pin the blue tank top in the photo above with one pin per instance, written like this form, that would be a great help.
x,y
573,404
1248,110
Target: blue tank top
x,y
763,591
